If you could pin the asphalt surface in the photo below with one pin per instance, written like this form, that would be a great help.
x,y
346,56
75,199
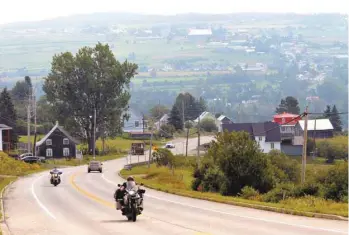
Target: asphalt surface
x,y
83,204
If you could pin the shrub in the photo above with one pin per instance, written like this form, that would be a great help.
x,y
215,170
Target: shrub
x,y
208,125
335,182
308,189
10,166
213,179
248,192
280,192
287,169
333,148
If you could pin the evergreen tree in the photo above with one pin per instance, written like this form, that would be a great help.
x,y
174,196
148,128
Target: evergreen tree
x,y
8,114
327,112
288,105
175,118
336,119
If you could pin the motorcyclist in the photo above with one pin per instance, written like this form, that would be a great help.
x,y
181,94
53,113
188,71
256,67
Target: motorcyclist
x,y
120,193
55,171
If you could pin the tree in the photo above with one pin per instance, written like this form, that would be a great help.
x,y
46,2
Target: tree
x,y
192,107
158,111
91,80
336,119
175,118
234,161
22,89
327,112
288,105
8,114
208,125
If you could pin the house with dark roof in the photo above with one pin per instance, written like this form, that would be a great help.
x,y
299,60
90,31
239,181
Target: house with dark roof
x,y
267,134
5,137
58,143
222,120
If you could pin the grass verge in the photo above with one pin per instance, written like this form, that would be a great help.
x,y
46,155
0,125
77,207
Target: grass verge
x,y
179,183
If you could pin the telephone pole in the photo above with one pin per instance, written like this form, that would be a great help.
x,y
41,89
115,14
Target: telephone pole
x,y
143,122
150,148
34,105
183,114
94,134
304,155
28,119
198,148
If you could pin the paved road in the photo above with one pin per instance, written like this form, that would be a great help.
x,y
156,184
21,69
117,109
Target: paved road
x,y
83,204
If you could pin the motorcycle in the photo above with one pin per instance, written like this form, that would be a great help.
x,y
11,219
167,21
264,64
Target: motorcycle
x,y
133,203
55,178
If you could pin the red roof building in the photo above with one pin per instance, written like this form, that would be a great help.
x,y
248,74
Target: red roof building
x,y
286,118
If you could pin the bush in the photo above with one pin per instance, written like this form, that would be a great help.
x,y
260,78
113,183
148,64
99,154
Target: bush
x,y
208,125
10,166
286,169
280,192
333,148
248,192
163,157
308,189
238,162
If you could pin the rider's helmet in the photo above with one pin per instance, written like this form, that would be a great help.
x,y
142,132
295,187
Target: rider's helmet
x,y
130,182
130,178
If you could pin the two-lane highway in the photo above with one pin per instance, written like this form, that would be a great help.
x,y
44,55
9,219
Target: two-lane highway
x,y
83,204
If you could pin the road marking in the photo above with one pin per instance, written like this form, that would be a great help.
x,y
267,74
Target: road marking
x,y
241,216
38,201
88,194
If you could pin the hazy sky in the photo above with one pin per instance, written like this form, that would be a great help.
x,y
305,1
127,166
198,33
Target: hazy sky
x,y
29,10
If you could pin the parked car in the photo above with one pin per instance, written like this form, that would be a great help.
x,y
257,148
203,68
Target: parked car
x,y
170,146
25,155
30,159
95,166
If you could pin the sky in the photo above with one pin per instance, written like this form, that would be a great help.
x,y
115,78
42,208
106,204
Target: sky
x,y
33,10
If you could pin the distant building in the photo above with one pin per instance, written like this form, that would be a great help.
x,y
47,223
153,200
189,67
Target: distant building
x,y
199,35
57,144
163,121
5,137
267,134
222,120
319,129
134,123
205,115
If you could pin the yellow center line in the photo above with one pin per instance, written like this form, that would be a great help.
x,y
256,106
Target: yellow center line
x,y
88,194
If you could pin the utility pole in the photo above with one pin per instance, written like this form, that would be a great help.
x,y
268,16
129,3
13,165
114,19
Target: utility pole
x,y
183,114
198,148
35,134
150,148
314,141
304,155
28,120
94,134
186,147
143,122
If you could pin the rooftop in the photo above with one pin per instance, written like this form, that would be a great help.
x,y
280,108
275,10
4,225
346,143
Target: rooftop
x,y
317,125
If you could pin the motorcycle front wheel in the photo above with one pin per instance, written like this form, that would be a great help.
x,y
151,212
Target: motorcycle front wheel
x,y
134,213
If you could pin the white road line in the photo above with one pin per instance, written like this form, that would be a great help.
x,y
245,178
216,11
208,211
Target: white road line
x,y
241,216
38,201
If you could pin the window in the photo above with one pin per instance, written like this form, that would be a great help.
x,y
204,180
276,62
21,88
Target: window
x,y
260,138
65,141
136,123
49,153
272,145
65,152
48,142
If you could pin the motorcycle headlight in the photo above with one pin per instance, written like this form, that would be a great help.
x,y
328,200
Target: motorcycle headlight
x,y
132,193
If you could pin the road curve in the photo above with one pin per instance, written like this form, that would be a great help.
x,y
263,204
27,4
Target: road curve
x,y
83,204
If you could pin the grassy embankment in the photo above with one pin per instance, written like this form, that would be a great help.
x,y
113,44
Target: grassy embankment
x,y
10,169
161,178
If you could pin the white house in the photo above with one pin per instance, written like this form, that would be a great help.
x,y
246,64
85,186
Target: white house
x,y
220,120
266,134
163,120
3,127
205,115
